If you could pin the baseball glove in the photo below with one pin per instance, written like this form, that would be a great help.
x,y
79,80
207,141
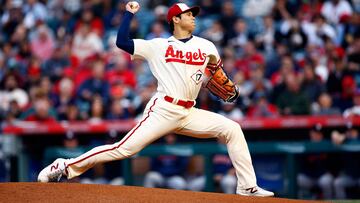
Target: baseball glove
x,y
219,83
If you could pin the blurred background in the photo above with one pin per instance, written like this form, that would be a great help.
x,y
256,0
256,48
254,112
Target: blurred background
x,y
65,88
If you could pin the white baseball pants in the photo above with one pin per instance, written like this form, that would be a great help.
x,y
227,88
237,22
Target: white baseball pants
x,y
160,118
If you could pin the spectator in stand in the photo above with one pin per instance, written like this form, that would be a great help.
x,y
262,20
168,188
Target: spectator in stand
x,y
55,65
63,23
19,37
97,110
143,97
11,17
332,52
209,7
88,17
142,73
353,59
40,109
348,90
250,58
241,35
256,83
336,13
47,87
229,66
324,106
227,19
102,8
160,12
349,175
251,8
168,170
35,12
157,31
309,9
72,113
2,64
293,101
262,108
319,31
335,79
42,43
86,42
311,84
355,109
287,67
11,91
283,10
207,101
151,4
230,110
294,35
314,171
65,98
121,73
13,113
356,6
273,63
33,72
266,39
120,109
95,85
214,33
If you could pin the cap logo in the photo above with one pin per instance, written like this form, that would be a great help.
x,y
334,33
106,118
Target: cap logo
x,y
182,6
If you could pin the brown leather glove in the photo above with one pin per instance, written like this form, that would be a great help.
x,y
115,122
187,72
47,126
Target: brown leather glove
x,y
219,83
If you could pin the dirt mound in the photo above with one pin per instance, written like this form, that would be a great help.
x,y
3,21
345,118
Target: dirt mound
x,y
71,192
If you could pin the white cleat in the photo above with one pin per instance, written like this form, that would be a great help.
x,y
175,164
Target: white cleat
x,y
255,191
53,172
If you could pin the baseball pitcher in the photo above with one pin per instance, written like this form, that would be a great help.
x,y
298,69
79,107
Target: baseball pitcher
x,y
182,64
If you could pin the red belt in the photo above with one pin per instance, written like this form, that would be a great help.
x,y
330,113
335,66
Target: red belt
x,y
185,104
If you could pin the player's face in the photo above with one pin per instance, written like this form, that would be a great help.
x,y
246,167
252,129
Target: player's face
x,y
187,21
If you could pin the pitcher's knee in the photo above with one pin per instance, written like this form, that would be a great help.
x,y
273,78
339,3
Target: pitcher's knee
x,y
232,129
127,152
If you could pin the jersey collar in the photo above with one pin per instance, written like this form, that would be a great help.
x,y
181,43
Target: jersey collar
x,y
172,38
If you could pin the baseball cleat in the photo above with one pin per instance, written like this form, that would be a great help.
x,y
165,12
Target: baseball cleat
x,y
53,172
255,191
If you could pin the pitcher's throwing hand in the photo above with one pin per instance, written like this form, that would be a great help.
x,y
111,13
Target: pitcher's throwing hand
x,y
132,6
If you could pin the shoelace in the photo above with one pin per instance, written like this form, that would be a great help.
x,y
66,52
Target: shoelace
x,y
56,175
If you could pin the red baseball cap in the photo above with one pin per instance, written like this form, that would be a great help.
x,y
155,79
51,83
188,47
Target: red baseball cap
x,y
180,8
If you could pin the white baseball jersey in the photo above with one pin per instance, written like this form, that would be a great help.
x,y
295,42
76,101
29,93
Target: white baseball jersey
x,y
178,66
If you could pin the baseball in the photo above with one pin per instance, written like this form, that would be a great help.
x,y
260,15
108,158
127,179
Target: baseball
x,y
134,4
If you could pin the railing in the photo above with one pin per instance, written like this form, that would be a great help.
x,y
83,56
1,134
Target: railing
x,y
27,128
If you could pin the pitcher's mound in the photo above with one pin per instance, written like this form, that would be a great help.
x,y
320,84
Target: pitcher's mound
x,y
73,192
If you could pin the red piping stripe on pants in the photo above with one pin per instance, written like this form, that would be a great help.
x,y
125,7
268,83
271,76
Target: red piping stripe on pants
x,y
148,115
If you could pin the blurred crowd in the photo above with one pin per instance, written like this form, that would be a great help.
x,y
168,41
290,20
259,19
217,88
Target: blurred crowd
x,y
59,61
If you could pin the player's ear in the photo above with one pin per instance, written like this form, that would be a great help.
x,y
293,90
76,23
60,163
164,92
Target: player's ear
x,y
176,19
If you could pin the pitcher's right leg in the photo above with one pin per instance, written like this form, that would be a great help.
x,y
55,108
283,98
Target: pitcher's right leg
x,y
152,127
